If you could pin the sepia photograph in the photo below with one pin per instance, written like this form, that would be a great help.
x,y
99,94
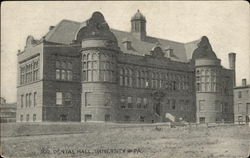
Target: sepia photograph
x,y
125,79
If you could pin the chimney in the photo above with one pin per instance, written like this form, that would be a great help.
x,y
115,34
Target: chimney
x,y
244,82
232,58
51,27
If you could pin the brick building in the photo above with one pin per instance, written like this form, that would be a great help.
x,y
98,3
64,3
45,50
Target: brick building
x,y
86,71
242,103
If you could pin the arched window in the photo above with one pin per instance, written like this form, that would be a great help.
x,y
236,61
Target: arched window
x,y
142,79
88,57
130,74
58,74
121,76
95,56
137,78
84,58
63,75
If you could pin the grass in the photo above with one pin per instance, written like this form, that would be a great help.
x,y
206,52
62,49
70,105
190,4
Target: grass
x,y
139,141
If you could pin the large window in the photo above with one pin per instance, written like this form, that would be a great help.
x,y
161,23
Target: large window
x,y
97,67
64,98
64,70
29,71
67,99
59,98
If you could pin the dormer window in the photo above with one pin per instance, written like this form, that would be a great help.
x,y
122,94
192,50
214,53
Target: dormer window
x,y
169,52
127,44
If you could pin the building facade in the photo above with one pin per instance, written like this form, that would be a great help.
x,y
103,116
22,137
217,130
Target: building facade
x,y
242,103
86,71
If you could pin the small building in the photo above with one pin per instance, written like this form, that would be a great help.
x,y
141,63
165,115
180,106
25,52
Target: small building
x,y
7,113
242,103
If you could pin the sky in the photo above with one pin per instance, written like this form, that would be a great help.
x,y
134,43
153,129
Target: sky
x,y
225,23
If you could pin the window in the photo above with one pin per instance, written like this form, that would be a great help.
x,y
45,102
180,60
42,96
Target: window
x,y
59,98
145,103
121,77
201,105
29,99
58,74
138,103
122,100
34,117
35,99
107,99
202,120
87,117
248,108
173,105
130,105
27,117
241,108
63,74
107,117
198,87
126,118
239,94
67,99
21,101
88,98
64,71
69,65
21,118
217,106
26,100
58,65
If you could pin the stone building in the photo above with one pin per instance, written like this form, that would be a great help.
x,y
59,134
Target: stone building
x,y
242,103
86,71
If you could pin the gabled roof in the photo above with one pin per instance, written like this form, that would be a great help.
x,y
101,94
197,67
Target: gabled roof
x,y
65,32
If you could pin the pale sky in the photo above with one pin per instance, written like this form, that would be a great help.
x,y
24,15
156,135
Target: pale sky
x,y
225,23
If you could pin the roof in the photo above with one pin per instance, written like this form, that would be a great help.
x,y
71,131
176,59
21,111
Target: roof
x,y
140,47
204,50
65,32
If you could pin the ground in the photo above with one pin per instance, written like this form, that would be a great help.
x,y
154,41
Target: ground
x,y
125,141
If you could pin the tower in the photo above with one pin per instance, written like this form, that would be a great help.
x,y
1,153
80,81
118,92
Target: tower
x,y
207,74
98,72
138,25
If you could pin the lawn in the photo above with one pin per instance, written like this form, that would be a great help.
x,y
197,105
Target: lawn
x,y
125,141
